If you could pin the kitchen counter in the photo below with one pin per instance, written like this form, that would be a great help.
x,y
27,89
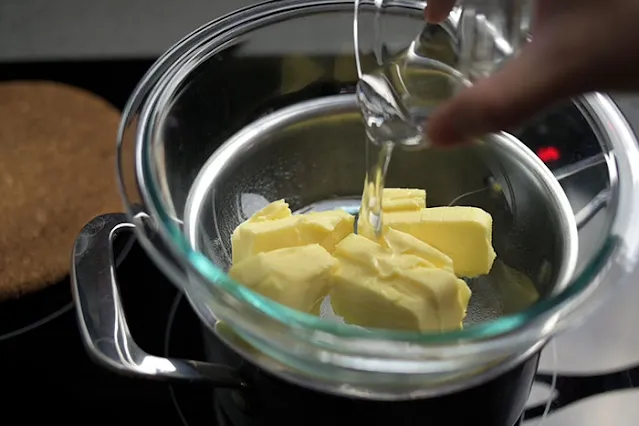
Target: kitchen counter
x,y
39,30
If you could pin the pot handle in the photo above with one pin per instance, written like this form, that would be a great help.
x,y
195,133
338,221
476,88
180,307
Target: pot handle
x,y
103,326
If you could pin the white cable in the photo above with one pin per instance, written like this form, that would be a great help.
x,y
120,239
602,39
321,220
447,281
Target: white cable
x,y
553,383
15,333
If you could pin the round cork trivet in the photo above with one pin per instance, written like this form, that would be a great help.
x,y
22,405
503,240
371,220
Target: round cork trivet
x,y
57,171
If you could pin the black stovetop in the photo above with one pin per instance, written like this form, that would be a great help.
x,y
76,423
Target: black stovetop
x,y
44,368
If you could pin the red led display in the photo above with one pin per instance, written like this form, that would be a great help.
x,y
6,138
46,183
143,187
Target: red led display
x,y
548,154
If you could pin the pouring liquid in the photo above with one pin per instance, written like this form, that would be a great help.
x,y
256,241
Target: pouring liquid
x,y
396,99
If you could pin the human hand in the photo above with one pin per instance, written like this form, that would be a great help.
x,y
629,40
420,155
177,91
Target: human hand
x,y
578,46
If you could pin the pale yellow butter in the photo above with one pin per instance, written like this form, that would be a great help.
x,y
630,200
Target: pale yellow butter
x,y
395,199
374,287
451,295
327,228
389,220
377,258
408,280
362,298
298,277
266,234
462,233
403,243
276,210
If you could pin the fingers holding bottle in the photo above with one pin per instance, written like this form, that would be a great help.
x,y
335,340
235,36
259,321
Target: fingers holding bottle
x,y
527,84
578,46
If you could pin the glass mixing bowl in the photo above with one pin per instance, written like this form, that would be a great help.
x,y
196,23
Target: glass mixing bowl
x,y
258,105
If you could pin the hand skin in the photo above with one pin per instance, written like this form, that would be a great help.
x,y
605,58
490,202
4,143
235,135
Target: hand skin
x,y
578,46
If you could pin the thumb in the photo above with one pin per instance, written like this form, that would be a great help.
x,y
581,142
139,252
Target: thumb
x,y
531,82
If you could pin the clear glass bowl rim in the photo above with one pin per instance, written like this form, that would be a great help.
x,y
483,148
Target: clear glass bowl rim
x,y
617,257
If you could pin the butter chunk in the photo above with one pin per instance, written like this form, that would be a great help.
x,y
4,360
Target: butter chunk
x,y
362,298
464,294
374,287
276,210
402,243
394,199
259,236
404,218
298,277
450,294
462,233
329,227
377,258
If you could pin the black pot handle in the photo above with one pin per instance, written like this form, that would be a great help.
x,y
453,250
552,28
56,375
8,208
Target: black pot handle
x,y
103,325
572,388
